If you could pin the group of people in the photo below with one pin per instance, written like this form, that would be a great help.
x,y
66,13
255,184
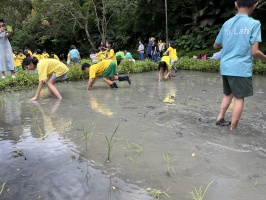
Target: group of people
x,y
239,38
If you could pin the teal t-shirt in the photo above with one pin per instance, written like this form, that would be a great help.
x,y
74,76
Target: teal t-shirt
x,y
237,35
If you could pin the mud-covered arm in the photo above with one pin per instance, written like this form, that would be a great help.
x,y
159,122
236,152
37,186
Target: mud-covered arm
x,y
90,83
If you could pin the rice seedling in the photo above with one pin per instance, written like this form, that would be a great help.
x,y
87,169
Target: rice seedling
x,y
85,136
168,160
2,188
111,143
132,160
40,133
198,194
157,193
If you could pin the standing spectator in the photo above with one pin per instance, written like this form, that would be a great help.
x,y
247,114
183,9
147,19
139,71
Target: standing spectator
x,y
149,48
172,53
74,54
6,54
45,54
141,51
110,53
154,52
161,48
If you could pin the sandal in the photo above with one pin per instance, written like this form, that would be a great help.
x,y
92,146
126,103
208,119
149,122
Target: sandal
x,y
223,122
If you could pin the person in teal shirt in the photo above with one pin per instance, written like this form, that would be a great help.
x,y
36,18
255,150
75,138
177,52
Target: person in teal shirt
x,y
239,38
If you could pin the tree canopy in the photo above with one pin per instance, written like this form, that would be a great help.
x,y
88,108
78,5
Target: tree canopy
x,y
55,25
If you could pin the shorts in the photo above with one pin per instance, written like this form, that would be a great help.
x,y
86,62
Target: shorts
x,y
240,86
59,78
110,71
149,56
174,61
75,60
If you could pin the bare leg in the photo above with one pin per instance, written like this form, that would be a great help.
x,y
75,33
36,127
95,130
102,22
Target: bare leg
x,y
108,81
113,78
3,73
237,111
12,72
52,88
224,106
161,75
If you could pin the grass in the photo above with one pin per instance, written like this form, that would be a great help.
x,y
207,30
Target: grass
x,y
2,188
157,193
85,136
198,194
168,160
41,133
111,143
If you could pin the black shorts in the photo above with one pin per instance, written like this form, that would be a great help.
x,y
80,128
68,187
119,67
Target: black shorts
x,y
149,56
240,86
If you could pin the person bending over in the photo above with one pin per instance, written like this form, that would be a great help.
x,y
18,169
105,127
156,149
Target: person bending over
x,y
49,71
163,65
106,69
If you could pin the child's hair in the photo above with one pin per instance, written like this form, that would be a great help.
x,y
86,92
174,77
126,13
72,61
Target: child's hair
x,y
28,60
72,47
172,44
84,66
38,51
110,42
246,3
162,66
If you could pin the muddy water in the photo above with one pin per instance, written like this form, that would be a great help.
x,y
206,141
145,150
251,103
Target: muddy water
x,y
44,154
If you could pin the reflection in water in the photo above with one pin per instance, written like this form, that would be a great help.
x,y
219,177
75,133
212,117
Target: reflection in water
x,y
12,110
102,107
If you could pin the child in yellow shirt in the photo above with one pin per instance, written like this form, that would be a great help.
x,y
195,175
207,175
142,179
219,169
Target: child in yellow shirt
x,y
172,54
110,53
163,65
107,69
49,71
45,54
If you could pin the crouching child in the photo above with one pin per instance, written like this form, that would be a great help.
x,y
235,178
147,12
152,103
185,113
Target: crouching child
x,y
163,65
106,69
49,71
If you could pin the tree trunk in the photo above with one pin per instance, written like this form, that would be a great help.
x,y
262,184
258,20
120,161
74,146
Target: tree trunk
x,y
166,23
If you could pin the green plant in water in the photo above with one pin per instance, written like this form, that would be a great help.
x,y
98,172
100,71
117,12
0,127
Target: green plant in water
x,y
2,188
197,194
41,133
85,136
111,143
168,160
157,193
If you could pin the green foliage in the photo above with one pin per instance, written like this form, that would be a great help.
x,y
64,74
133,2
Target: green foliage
x,y
187,63
75,73
259,68
139,66
201,39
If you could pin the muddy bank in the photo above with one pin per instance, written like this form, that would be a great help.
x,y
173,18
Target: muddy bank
x,y
174,118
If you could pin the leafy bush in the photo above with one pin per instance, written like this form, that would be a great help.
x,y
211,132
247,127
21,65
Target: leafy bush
x,y
139,66
198,64
201,39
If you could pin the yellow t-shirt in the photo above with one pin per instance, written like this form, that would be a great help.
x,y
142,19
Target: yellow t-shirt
x,y
17,62
47,67
38,56
172,53
100,56
111,53
56,57
45,55
20,58
167,59
98,69
29,52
